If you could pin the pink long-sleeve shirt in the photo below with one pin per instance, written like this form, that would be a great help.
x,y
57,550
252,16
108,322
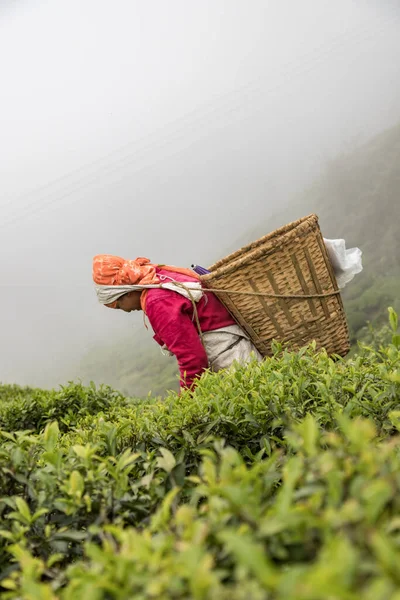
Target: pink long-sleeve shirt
x,y
171,317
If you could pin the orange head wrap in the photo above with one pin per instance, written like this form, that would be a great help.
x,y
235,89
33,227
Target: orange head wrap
x,y
114,270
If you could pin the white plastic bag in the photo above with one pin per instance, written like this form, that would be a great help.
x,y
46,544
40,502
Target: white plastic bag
x,y
346,263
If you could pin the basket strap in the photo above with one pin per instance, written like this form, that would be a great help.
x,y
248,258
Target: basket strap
x,y
247,293
268,295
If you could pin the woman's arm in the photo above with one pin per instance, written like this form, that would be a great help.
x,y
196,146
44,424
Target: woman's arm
x,y
170,316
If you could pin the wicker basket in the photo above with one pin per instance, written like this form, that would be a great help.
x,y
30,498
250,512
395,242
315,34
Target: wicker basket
x,y
291,261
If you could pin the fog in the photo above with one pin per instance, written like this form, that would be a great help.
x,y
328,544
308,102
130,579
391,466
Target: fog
x,y
166,130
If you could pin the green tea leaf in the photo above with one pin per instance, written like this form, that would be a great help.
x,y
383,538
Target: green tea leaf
x,y
167,461
76,484
50,435
23,508
393,319
250,555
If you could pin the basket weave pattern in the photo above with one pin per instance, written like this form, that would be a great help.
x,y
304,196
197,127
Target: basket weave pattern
x,y
289,261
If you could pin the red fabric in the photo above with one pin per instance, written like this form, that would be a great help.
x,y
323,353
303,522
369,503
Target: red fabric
x,y
170,315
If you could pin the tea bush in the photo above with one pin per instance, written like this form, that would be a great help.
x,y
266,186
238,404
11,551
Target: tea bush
x,y
26,408
279,480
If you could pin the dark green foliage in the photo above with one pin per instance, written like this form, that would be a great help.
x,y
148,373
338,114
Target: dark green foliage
x,y
365,299
15,392
25,408
277,481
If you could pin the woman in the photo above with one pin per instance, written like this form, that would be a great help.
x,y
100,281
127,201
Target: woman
x,y
187,321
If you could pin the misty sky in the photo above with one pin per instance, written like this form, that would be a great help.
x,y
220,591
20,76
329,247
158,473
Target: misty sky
x,y
164,129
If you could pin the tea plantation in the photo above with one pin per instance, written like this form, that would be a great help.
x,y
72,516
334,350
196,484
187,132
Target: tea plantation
x,y
276,481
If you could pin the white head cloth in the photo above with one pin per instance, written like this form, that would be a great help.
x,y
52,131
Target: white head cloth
x,y
107,294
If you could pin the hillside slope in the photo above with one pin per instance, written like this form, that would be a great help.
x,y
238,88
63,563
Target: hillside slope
x,y
357,198
133,364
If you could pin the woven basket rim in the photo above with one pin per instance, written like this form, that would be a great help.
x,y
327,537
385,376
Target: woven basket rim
x,y
270,242
256,269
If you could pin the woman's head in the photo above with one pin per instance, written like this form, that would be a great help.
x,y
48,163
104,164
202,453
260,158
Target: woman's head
x,y
129,301
124,284
116,279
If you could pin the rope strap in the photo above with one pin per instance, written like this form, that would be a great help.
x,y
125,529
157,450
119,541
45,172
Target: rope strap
x,y
248,293
269,295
